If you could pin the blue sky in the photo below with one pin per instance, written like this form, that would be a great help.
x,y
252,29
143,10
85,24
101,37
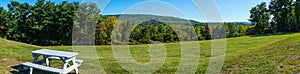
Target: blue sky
x,y
230,10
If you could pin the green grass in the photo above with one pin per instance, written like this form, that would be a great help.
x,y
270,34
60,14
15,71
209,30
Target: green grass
x,y
249,54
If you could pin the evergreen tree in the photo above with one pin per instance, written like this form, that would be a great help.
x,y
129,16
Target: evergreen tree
x,y
85,24
297,14
3,21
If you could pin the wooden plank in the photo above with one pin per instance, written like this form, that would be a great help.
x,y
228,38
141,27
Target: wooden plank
x,y
54,58
78,61
36,66
70,59
55,53
73,67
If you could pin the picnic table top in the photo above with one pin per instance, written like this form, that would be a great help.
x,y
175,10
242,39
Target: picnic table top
x,y
55,53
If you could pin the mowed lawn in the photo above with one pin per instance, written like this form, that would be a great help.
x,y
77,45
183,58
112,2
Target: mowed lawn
x,y
249,54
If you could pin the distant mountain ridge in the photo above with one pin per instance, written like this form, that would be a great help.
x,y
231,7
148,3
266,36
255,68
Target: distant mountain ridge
x,y
138,18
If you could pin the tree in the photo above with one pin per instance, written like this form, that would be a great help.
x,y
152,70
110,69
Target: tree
x,y
39,18
60,22
52,23
232,30
243,29
21,24
85,24
283,19
3,21
198,32
105,29
260,17
297,13
44,23
207,32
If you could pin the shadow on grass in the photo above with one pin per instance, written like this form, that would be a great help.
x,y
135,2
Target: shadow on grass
x,y
21,69
272,34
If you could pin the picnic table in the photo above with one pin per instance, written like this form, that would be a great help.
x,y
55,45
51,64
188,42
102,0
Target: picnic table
x,y
48,55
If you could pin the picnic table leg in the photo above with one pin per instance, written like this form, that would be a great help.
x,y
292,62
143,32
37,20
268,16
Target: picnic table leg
x,y
74,63
65,64
35,58
47,60
31,70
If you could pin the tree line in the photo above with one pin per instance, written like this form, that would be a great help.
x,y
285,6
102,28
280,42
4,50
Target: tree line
x,y
44,23
279,16
49,23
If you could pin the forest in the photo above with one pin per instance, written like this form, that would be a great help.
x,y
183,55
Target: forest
x,y
48,23
279,16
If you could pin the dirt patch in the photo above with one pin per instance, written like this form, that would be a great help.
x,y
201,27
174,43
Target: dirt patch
x,y
234,70
7,64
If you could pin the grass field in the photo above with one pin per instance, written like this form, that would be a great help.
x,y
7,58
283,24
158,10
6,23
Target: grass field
x,y
249,54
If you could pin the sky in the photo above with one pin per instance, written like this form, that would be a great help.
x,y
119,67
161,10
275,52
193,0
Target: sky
x,y
230,10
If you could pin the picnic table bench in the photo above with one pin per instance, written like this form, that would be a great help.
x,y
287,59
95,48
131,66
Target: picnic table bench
x,y
48,55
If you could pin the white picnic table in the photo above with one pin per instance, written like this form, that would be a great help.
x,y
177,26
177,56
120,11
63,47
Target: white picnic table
x,y
47,54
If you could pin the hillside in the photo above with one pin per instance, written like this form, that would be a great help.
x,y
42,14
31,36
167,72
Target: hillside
x,y
250,54
14,53
137,18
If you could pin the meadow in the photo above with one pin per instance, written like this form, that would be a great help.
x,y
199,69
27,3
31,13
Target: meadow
x,y
248,54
